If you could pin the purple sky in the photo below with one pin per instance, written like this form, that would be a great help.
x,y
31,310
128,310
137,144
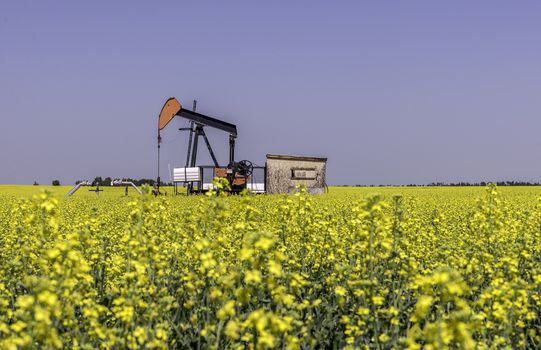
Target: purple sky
x,y
391,92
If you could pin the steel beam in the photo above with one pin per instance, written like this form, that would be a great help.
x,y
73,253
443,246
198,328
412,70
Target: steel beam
x,y
208,121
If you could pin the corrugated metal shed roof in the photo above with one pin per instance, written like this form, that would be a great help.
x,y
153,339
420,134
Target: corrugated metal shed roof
x,y
302,158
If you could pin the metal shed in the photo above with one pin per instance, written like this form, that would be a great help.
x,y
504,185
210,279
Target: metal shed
x,y
285,173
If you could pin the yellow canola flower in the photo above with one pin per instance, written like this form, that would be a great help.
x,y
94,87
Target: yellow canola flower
x,y
275,268
252,276
341,291
232,330
227,310
47,298
264,243
424,302
378,300
431,267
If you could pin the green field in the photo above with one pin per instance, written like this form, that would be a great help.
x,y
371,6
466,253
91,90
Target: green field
x,y
371,267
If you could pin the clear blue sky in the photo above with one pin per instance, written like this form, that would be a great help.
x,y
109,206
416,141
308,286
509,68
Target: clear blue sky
x,y
391,92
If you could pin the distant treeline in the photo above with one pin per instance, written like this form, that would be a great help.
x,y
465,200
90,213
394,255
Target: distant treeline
x,y
456,184
99,181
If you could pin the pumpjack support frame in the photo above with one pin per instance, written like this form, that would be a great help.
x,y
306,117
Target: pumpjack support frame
x,y
174,108
198,122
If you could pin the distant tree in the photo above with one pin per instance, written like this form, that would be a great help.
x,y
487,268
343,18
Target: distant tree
x,y
56,183
107,181
98,181
35,183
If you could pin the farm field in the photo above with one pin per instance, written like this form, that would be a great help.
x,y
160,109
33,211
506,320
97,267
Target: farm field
x,y
372,267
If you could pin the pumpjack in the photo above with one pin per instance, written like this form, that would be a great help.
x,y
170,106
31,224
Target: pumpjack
x,y
237,173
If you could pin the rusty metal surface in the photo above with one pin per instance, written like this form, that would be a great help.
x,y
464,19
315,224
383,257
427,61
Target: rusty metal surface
x,y
169,110
220,172
239,180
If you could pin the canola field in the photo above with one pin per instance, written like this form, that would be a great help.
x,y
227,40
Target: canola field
x,y
366,268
